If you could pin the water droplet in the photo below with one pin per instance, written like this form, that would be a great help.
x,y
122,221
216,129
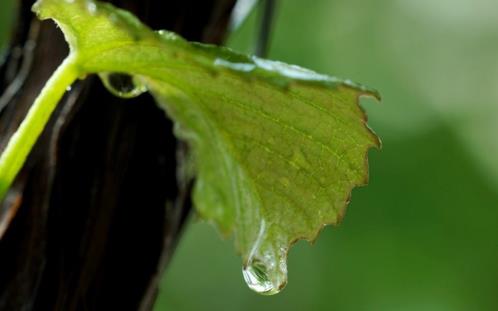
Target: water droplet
x,y
168,35
122,85
91,7
266,269
260,280
243,67
68,88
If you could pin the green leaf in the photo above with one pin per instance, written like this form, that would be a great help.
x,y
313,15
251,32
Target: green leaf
x,y
276,148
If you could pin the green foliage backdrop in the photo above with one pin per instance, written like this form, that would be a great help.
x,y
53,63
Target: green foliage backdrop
x,y
5,21
424,234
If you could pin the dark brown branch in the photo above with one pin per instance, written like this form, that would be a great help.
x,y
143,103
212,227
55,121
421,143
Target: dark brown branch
x,y
99,207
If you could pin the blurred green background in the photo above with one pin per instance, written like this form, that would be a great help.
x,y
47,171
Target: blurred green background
x,y
424,234
6,16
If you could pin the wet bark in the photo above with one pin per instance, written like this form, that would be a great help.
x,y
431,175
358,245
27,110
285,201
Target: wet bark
x,y
94,216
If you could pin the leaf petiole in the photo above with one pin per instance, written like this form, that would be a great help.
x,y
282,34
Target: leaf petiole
x,y
23,140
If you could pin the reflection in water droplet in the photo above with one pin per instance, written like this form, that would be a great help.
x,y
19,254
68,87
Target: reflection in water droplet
x,y
122,85
266,269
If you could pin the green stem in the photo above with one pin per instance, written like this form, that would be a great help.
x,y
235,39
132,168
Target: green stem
x,y
21,143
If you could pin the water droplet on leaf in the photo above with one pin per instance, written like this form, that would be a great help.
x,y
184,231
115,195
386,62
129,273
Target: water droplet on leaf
x,y
122,85
91,7
261,279
266,269
242,67
168,35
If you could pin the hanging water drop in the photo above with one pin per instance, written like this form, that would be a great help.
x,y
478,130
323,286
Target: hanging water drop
x,y
265,270
260,280
122,85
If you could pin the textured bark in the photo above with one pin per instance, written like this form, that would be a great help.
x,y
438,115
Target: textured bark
x,y
94,216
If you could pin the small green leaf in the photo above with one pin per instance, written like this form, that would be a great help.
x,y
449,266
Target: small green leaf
x,y
276,148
